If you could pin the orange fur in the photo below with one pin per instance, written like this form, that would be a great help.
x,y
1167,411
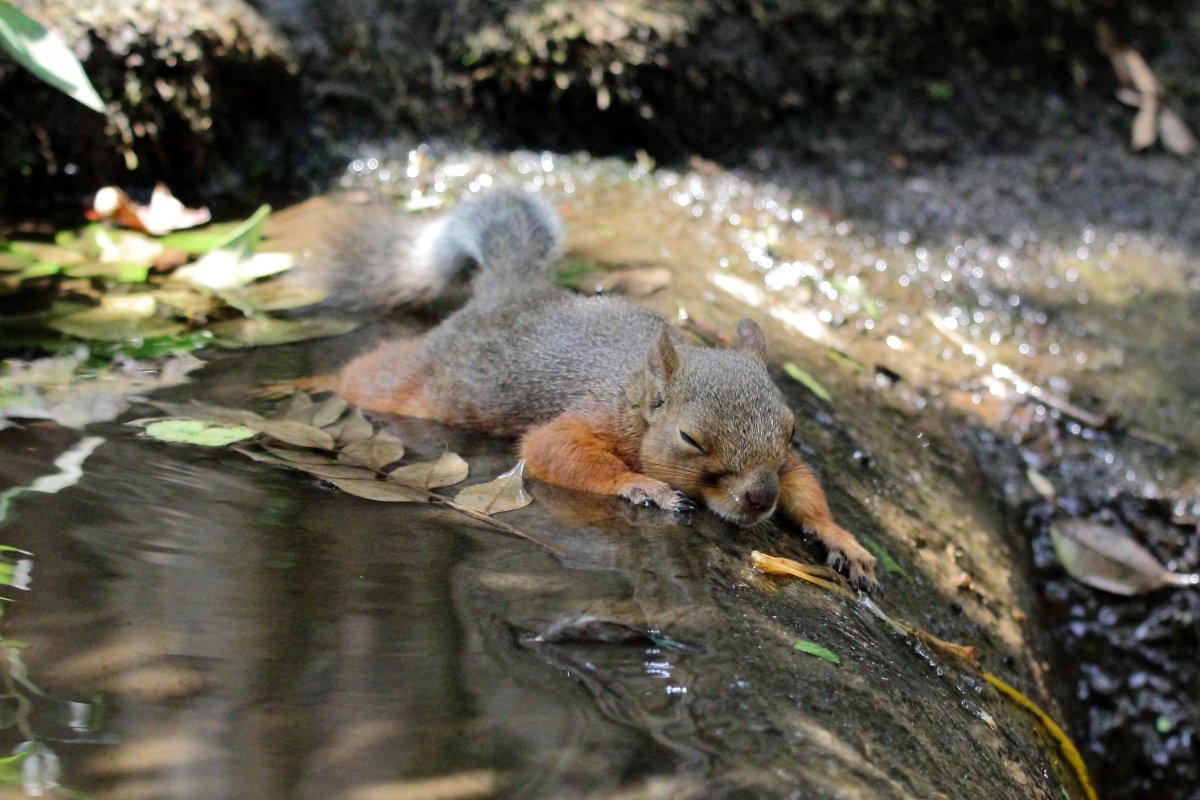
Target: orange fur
x,y
578,452
390,379
803,501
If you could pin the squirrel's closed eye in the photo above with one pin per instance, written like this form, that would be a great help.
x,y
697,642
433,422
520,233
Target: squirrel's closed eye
x,y
690,442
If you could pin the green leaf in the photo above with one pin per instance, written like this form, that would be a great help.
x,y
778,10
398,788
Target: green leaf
x,y
44,53
801,377
198,431
886,561
814,649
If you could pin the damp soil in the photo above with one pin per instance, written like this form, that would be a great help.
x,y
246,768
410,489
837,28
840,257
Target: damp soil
x,y
252,633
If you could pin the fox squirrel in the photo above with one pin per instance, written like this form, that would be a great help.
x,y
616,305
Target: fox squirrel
x,y
604,395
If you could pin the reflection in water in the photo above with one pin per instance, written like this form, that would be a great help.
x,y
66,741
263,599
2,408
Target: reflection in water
x,y
254,635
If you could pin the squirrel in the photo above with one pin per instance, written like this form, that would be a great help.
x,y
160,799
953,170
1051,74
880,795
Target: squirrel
x,y
603,395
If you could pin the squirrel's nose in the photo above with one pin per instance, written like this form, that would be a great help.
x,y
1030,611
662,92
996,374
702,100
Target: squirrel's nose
x,y
760,498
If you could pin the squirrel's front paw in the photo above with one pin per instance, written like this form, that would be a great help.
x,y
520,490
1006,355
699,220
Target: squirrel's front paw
x,y
846,553
649,492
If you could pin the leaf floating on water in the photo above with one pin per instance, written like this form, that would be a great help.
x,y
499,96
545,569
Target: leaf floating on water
x,y
505,493
198,431
165,213
296,433
447,470
801,377
331,472
297,408
814,649
299,456
385,491
328,411
262,331
354,428
377,452
1106,559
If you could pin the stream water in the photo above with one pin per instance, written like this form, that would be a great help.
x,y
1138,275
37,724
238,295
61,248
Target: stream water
x,y
207,626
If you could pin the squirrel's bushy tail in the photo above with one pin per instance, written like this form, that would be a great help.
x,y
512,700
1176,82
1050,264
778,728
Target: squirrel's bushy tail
x,y
371,259
514,237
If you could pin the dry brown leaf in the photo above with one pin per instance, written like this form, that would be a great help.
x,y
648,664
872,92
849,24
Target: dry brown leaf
x,y
328,411
354,428
377,452
447,470
298,456
295,433
297,408
384,491
1105,558
164,214
332,472
1176,136
505,493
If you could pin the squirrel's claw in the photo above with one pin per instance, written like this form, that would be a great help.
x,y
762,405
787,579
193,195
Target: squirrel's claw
x,y
848,556
648,492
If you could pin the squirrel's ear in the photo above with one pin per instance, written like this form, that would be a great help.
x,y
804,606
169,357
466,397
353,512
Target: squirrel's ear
x,y
751,339
663,361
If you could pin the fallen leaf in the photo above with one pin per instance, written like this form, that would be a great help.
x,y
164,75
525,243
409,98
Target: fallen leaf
x,y
1176,136
801,377
1040,483
300,456
165,213
814,649
331,472
1104,558
1145,129
328,411
377,452
197,431
260,331
354,427
297,408
385,491
505,493
295,433
447,470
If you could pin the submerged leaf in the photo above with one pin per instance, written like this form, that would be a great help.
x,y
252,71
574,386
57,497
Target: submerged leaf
x,y
505,493
385,491
197,431
1102,557
814,649
300,456
447,470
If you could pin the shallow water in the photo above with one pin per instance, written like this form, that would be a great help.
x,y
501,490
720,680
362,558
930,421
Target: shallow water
x,y
254,634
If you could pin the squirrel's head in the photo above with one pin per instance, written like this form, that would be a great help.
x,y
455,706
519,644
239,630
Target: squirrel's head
x,y
716,426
